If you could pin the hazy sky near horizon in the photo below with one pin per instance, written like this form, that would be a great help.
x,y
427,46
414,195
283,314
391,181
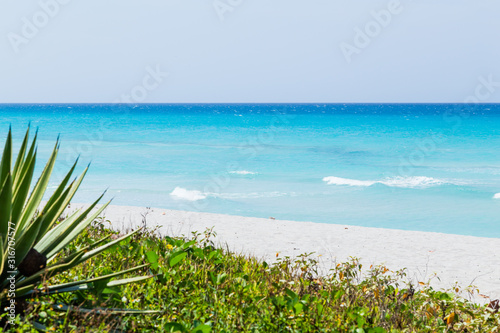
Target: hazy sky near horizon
x,y
259,51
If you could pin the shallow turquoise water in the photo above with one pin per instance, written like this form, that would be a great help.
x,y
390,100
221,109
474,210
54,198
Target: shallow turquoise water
x,y
413,167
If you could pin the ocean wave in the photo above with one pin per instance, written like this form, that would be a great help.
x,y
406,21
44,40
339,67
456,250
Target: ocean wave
x,y
195,195
477,170
350,182
243,172
251,195
190,195
496,196
403,182
414,182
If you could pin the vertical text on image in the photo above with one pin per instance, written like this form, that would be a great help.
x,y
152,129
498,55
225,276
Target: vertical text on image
x,y
11,264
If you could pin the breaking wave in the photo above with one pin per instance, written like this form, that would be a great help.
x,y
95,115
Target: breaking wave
x,y
243,172
350,182
404,182
190,195
195,195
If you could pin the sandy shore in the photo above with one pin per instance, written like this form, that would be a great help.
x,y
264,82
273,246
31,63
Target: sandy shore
x,y
463,259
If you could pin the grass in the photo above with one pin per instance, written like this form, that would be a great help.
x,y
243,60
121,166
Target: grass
x,y
198,287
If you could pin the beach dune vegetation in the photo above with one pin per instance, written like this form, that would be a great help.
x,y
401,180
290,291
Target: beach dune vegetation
x,y
201,287
34,240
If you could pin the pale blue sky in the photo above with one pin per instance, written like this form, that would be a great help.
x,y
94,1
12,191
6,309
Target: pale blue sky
x,y
255,51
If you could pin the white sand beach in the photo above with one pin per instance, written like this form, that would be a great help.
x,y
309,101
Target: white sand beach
x,y
453,258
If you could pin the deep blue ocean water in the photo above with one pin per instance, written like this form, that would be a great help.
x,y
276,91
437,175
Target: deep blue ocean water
x,y
413,167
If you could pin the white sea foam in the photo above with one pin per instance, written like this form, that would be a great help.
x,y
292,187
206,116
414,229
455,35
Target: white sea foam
x,y
243,172
404,182
252,195
413,182
479,170
194,195
350,182
190,195
496,196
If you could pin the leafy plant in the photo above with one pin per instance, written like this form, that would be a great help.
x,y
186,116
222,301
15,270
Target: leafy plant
x,y
32,239
202,288
209,289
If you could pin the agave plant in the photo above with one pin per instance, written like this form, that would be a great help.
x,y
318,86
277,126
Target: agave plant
x,y
31,236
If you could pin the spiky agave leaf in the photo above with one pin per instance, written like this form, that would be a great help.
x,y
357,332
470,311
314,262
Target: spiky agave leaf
x,y
37,232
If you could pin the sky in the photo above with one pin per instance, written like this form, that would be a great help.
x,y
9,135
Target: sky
x,y
242,51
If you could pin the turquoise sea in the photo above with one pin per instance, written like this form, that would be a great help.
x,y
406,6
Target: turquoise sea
x,y
404,166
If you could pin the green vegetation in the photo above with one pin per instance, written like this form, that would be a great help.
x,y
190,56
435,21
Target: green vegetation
x,y
195,287
201,288
33,241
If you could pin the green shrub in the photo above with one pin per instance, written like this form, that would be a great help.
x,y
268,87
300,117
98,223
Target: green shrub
x,y
32,239
202,288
